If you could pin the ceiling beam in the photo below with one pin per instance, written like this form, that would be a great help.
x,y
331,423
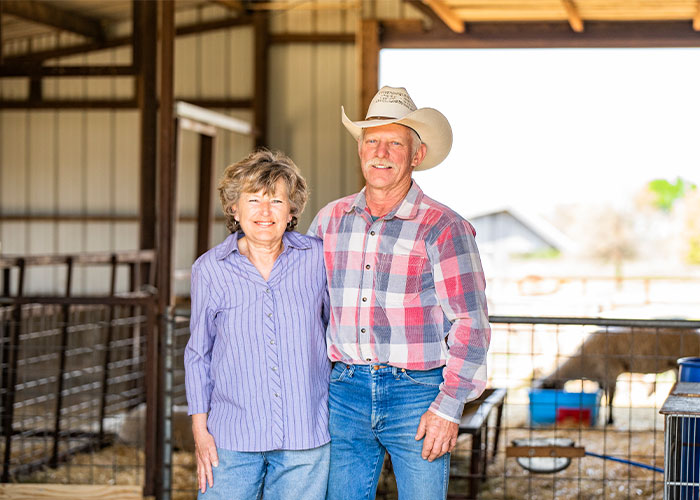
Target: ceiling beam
x,y
50,15
446,15
608,34
696,19
234,5
572,14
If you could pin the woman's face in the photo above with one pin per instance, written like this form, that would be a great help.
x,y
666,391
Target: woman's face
x,y
264,217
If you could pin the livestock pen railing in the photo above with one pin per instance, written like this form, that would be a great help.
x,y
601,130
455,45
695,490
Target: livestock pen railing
x,y
523,350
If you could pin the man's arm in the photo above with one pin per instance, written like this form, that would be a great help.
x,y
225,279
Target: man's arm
x,y
460,287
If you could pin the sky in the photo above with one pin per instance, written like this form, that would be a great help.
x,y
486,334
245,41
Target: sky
x,y
538,128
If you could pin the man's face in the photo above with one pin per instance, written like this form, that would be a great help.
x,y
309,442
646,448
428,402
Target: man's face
x,y
386,157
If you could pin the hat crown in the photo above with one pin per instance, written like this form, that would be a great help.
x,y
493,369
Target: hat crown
x,y
390,102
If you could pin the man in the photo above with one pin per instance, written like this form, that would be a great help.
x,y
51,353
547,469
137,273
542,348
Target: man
x,y
409,328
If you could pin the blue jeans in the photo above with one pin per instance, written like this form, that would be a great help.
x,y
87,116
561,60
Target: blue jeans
x,y
377,411
274,475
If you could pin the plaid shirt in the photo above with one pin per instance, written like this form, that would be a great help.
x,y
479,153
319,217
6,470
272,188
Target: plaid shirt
x,y
407,290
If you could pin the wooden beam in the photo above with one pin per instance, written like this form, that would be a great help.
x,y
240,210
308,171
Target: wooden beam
x,y
302,5
50,15
278,38
549,35
575,20
68,104
368,52
45,491
205,206
261,72
33,70
234,5
446,15
696,19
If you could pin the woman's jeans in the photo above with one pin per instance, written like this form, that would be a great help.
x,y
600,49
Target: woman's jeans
x,y
274,475
373,411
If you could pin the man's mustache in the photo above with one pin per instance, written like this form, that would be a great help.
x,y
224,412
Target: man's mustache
x,y
378,161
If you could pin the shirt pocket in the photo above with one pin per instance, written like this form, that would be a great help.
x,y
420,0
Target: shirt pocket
x,y
400,279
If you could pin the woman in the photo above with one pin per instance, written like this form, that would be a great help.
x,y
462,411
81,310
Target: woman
x,y
256,368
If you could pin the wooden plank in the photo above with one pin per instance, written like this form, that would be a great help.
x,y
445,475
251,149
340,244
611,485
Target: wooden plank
x,y
545,451
260,81
575,20
50,15
448,16
549,35
696,19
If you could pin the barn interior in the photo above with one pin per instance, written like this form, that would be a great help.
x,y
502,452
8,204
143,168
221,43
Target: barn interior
x,y
116,120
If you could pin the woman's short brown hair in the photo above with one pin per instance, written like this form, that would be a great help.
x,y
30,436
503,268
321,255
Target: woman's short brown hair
x,y
261,170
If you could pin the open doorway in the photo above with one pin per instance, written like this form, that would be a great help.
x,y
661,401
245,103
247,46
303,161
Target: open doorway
x,y
572,164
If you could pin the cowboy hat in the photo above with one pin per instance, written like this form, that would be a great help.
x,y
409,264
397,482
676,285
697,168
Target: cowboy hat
x,y
394,105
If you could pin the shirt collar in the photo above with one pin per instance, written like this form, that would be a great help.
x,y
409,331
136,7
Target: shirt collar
x,y
406,209
291,239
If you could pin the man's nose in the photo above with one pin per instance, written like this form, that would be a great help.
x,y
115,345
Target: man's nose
x,y
382,150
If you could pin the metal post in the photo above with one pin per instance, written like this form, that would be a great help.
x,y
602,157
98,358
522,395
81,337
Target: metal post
x,y
108,349
63,346
9,375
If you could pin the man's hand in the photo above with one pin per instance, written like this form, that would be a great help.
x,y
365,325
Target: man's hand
x,y
440,435
205,451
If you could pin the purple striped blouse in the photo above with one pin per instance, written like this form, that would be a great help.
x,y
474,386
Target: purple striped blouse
x,y
256,359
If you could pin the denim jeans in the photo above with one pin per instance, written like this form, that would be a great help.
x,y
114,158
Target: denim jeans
x,y
377,411
273,475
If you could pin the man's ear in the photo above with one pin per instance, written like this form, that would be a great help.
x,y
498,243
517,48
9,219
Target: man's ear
x,y
419,156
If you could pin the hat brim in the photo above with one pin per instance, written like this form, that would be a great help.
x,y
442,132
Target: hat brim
x,y
431,125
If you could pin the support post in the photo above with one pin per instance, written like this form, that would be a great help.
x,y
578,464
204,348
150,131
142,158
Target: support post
x,y
260,98
368,52
145,61
206,180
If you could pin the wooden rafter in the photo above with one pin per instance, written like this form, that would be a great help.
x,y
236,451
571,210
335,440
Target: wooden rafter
x,y
696,19
446,15
50,15
575,20
234,5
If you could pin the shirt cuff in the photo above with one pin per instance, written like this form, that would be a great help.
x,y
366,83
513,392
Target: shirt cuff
x,y
448,408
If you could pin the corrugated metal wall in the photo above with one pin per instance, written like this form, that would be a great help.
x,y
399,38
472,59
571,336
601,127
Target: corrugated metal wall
x,y
86,162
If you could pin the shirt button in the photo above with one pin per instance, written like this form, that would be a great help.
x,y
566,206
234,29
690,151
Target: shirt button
x,y
367,266
267,290
363,330
272,342
368,359
269,315
274,368
364,299
371,233
277,395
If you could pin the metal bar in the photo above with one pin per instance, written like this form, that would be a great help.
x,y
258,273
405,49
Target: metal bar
x,y
92,258
135,299
65,71
187,110
63,345
645,323
9,376
6,276
108,348
152,413
206,181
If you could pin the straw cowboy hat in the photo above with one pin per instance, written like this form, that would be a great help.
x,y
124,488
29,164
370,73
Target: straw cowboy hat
x,y
394,105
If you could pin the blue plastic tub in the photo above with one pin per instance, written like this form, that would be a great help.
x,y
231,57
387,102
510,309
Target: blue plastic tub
x,y
689,370
548,406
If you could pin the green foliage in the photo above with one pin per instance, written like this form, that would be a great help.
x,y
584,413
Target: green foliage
x,y
693,255
667,193
543,253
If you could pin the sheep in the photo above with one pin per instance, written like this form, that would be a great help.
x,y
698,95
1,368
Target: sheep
x,y
606,354
133,427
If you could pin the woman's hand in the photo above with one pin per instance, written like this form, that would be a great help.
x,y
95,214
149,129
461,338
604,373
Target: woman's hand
x,y
205,451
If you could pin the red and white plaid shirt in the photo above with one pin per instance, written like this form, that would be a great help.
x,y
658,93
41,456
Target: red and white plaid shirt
x,y
407,290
